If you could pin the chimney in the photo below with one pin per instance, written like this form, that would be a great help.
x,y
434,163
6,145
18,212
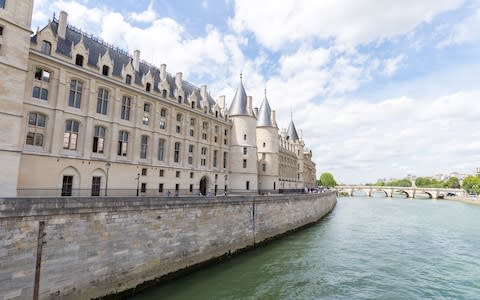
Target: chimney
x,y
221,102
249,106
136,60
178,80
274,121
256,111
62,25
163,72
203,91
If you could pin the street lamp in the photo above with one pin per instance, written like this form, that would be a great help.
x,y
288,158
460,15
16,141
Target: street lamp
x,y
107,165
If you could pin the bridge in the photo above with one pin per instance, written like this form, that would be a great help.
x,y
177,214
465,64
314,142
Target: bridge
x,y
409,192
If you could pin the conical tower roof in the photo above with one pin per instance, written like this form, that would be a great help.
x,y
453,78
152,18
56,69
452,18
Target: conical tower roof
x,y
264,117
239,103
292,134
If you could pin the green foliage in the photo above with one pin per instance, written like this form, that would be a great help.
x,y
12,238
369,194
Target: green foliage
x,y
327,180
472,184
429,182
400,182
452,183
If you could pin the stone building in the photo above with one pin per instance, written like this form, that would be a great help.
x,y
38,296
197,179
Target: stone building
x,y
82,117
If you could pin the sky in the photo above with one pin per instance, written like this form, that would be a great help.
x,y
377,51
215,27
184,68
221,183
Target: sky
x,y
379,88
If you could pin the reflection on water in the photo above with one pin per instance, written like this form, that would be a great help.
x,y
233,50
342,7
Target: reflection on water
x,y
367,248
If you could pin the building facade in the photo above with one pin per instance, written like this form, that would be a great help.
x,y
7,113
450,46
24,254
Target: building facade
x,y
82,117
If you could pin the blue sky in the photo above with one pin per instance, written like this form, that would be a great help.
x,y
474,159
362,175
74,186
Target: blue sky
x,y
380,89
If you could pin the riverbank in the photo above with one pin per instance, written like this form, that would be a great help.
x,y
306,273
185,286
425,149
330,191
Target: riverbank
x,y
474,201
82,248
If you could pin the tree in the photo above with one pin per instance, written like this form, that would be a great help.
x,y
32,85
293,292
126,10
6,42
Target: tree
x,y
327,180
452,183
472,184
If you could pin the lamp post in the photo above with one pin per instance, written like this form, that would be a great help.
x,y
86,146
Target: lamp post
x,y
107,166
138,183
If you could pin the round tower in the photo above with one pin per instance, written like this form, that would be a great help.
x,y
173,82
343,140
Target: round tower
x,y
243,148
268,143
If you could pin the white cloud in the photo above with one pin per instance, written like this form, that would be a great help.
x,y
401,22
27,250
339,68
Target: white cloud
x,y
465,31
147,16
422,135
345,21
392,64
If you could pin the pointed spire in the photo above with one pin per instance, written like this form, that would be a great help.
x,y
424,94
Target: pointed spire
x,y
292,134
239,102
264,117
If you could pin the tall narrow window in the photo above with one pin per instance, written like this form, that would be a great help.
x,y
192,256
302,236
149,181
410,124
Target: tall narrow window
x,y
46,47
128,79
247,185
96,183
102,101
146,107
105,70
244,150
176,153
2,3
179,99
264,167
126,105
148,87
163,112
164,93
98,139
122,143
161,149
75,95
225,154
36,129
244,137
143,146
70,135
215,157
244,163
67,185
79,60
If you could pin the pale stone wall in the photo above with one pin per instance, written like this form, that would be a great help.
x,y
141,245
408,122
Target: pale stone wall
x,y
15,19
94,247
268,149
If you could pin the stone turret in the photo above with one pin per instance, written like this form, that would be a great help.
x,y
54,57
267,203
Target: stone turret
x,y
243,151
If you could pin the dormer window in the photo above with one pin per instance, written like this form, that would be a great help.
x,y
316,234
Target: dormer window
x,y
193,104
79,60
128,79
164,93
148,87
216,114
179,99
105,70
46,47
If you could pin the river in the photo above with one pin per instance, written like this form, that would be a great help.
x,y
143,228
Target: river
x,y
367,248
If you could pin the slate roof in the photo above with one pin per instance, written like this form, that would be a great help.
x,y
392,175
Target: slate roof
x,y
120,58
264,117
239,102
292,134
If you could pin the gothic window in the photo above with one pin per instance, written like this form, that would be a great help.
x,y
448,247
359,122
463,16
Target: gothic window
x,y
126,106
98,139
36,129
75,95
70,135
143,147
46,47
102,101
161,149
122,143
79,60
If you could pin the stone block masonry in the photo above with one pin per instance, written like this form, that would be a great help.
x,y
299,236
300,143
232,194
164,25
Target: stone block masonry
x,y
82,248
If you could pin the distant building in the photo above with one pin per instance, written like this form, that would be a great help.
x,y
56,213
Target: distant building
x,y
74,109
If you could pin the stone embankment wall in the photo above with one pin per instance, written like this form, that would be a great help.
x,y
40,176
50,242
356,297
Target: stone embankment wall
x,y
82,248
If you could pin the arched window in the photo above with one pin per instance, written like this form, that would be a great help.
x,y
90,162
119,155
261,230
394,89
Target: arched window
x,y
36,129
70,135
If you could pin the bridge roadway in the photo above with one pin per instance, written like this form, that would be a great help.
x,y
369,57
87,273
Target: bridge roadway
x,y
410,192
